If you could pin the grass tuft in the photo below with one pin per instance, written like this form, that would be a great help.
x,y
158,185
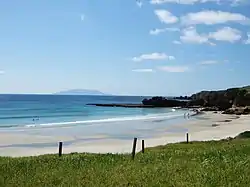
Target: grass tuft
x,y
214,163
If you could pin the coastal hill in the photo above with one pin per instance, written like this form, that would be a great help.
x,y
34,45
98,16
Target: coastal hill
x,y
80,92
224,99
231,101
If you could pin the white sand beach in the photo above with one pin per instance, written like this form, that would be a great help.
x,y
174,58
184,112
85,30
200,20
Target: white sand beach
x,y
208,126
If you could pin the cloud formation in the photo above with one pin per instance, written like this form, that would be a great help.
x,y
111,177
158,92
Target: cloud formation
x,y
174,69
187,2
191,2
209,62
143,70
226,34
176,42
139,3
166,17
153,56
209,17
248,39
190,35
158,31
82,17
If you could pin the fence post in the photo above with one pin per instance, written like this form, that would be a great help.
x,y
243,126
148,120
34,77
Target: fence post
x,y
187,138
60,148
134,148
143,146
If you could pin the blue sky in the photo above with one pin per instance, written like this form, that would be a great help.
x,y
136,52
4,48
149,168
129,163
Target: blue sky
x,y
157,47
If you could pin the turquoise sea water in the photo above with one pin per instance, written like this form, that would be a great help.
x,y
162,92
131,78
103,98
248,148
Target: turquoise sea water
x,y
68,117
53,111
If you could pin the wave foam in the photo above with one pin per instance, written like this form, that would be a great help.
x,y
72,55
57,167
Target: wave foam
x,y
30,125
120,119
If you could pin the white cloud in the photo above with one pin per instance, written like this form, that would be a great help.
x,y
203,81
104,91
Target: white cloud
x,y
186,2
191,2
139,3
174,1
166,16
248,39
172,29
171,57
143,70
1,72
238,2
190,35
209,17
226,34
158,31
153,56
209,62
174,69
82,17
176,42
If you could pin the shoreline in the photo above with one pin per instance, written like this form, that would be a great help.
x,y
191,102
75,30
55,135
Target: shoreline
x,y
207,126
88,121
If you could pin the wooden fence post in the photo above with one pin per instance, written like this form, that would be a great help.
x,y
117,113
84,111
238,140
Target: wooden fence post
x,y
134,148
187,138
142,146
60,148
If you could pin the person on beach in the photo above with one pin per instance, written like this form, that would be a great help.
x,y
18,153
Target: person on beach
x,y
36,118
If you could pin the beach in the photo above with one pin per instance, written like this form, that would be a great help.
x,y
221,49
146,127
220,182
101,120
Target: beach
x,y
204,127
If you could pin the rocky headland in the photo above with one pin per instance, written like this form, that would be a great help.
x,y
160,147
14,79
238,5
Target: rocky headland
x,y
230,101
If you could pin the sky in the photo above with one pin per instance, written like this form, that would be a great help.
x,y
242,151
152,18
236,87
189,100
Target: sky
x,y
148,47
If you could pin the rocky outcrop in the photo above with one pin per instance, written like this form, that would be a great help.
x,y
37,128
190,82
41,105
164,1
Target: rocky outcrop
x,y
231,101
196,102
223,99
237,110
122,105
164,102
242,100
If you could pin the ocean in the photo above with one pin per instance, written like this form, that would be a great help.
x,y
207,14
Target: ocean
x,y
54,111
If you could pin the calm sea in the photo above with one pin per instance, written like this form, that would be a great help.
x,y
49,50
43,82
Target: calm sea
x,y
32,111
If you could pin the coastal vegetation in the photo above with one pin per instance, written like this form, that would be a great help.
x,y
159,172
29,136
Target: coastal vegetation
x,y
213,163
230,101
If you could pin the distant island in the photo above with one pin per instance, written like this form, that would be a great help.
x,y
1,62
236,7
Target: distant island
x,y
80,92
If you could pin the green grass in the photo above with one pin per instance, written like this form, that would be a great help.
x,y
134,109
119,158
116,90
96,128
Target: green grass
x,y
246,88
215,163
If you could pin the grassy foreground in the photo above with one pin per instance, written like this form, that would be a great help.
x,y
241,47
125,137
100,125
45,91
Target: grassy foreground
x,y
215,163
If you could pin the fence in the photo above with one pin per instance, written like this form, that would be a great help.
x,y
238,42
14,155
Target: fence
x,y
60,149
